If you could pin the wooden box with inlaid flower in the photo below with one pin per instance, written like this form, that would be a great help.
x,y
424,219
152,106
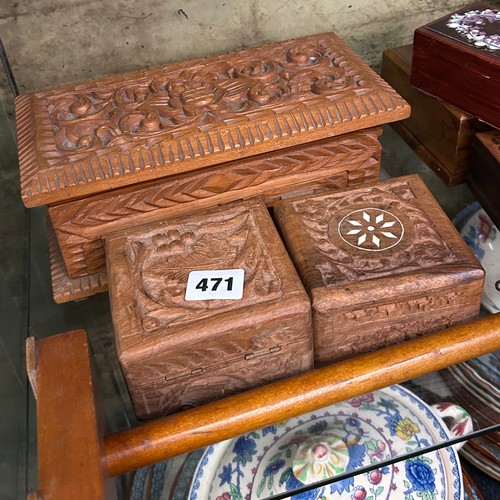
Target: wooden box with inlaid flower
x,y
382,263
457,59
270,121
189,327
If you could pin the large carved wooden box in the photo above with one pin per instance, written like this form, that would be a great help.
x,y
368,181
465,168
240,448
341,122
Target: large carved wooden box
x,y
457,59
381,263
440,134
270,121
176,351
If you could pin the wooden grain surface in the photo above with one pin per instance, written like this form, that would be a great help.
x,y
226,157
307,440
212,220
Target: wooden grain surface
x,y
211,423
69,433
81,224
177,353
72,460
66,289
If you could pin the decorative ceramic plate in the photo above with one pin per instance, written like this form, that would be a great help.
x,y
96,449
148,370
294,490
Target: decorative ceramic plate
x,y
479,232
481,377
479,386
166,480
340,438
484,456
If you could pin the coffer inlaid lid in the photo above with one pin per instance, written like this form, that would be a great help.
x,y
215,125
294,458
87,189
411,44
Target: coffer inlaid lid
x,y
388,229
90,137
476,26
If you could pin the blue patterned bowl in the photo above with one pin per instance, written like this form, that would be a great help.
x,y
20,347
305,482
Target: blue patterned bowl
x,y
340,438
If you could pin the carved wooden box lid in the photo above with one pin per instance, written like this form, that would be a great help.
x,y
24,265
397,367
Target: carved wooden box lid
x,y
90,137
389,238
148,269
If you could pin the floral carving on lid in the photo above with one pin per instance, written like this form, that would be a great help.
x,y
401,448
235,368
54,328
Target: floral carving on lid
x,y
160,262
200,97
385,223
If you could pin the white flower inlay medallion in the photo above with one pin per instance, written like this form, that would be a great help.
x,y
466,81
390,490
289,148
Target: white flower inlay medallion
x,y
371,229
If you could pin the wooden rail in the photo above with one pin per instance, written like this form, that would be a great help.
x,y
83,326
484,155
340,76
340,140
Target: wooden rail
x,y
191,429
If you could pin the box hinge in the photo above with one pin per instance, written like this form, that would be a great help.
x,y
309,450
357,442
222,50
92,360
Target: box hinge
x,y
262,352
195,372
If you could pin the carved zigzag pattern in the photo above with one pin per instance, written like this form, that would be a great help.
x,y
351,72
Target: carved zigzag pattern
x,y
26,146
210,184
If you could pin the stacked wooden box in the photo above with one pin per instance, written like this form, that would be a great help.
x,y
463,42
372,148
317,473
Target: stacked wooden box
x,y
381,263
457,60
176,352
270,121
155,175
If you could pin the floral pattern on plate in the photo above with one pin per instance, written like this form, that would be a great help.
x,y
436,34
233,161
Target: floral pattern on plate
x,y
373,427
479,232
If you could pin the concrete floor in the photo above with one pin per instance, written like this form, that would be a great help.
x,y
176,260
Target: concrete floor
x,y
51,42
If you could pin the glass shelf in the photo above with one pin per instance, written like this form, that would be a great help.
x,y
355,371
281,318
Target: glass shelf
x,y
29,309
93,315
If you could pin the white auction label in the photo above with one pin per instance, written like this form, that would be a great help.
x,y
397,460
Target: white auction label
x,y
219,284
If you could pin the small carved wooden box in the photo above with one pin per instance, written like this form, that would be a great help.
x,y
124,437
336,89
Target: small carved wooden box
x,y
270,121
178,351
457,59
381,263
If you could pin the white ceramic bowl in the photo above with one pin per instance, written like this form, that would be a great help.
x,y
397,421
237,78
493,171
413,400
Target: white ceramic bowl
x,y
340,438
484,238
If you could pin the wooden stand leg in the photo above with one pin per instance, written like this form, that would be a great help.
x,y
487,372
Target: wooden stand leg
x,y
70,461
213,422
75,460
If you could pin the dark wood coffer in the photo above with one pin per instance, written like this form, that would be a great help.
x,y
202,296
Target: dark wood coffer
x,y
456,59
438,132
272,121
